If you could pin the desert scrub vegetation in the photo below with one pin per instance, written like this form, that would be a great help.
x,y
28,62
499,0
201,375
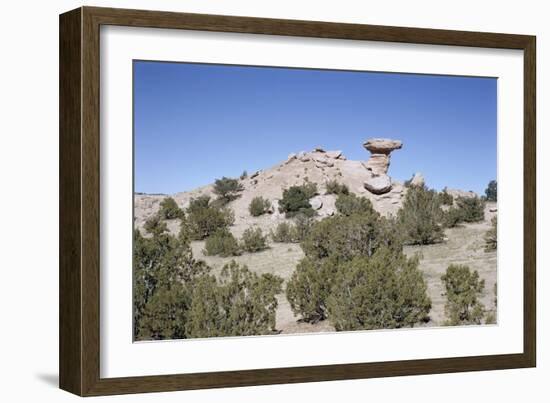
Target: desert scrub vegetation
x,y
169,209
227,189
284,232
491,191
348,204
420,216
295,200
463,289
222,243
335,187
390,289
292,232
491,236
467,209
472,209
240,303
254,240
347,255
155,225
176,297
259,206
445,198
204,218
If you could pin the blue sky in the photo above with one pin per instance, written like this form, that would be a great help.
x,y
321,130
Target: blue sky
x,y
194,123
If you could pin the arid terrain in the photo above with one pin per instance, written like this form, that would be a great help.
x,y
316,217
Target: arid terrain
x,y
463,244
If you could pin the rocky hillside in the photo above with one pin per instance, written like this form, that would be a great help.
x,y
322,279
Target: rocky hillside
x,y
367,179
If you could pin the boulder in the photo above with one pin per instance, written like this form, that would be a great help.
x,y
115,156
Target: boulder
x,y
460,193
382,146
316,202
302,156
417,180
334,154
378,184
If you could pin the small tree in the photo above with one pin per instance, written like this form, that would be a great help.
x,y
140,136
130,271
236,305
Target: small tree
x,y
253,240
244,175
309,188
491,236
335,187
169,209
295,201
472,209
309,287
348,204
204,218
242,303
284,232
446,198
222,243
463,289
154,225
420,216
491,191
382,292
227,189
258,206
452,217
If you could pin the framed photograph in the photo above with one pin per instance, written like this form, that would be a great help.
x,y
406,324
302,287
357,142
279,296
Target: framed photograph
x,y
248,201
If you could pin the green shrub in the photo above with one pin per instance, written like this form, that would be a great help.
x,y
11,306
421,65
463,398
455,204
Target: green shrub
x,y
309,188
227,189
203,218
163,268
174,296
472,209
155,225
258,206
452,217
420,216
222,243
169,209
328,245
253,240
348,204
445,198
463,290
309,288
381,292
295,201
343,237
302,225
241,303
284,232
491,236
335,187
491,191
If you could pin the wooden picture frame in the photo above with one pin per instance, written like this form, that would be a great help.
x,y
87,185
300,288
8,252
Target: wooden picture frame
x,y
79,348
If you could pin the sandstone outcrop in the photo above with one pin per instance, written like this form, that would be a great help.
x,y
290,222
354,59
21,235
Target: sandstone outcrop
x,y
380,150
378,181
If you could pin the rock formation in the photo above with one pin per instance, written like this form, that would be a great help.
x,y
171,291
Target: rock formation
x,y
417,179
380,150
377,165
